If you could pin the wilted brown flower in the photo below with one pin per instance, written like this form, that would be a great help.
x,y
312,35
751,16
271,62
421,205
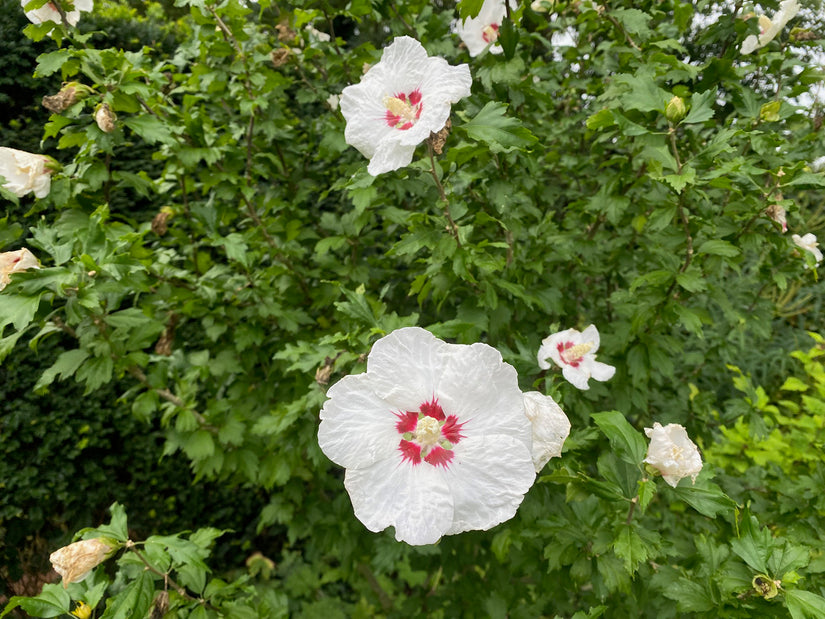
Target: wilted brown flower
x,y
285,33
279,56
161,220
105,118
76,561
440,138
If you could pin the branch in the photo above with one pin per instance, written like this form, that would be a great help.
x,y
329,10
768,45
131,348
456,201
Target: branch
x,y
444,199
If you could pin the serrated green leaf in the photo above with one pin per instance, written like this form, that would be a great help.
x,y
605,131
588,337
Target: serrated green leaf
x,y
134,601
628,442
51,62
804,604
65,366
469,8
151,129
701,106
718,247
502,133
52,601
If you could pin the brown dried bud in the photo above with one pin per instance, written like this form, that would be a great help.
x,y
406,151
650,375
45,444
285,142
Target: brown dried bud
x,y
323,373
439,139
105,118
280,56
163,346
285,33
71,93
76,561
777,214
161,220
160,606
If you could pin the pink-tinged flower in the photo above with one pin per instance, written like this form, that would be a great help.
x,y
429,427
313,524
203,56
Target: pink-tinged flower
x,y
14,262
76,561
49,12
399,102
550,427
575,354
769,28
25,172
672,453
810,244
434,437
482,30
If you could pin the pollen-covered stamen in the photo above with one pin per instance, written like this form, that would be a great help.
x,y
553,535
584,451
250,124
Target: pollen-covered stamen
x,y
403,110
764,24
572,354
428,432
490,33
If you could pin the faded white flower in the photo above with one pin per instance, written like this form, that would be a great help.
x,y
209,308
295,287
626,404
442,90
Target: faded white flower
x,y
434,437
809,244
105,118
575,354
76,561
769,28
49,12
332,101
316,34
482,30
399,102
550,427
778,214
672,453
25,172
15,262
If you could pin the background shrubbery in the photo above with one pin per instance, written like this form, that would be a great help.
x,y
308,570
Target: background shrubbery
x,y
185,363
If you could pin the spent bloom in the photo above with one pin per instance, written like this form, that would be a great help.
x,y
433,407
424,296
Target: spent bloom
x,y
25,172
672,453
810,244
14,262
778,214
482,30
399,102
76,561
550,427
769,28
575,354
49,12
105,118
434,437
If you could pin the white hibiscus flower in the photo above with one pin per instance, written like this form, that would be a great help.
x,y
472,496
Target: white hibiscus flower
x,y
575,354
769,28
25,172
482,30
399,102
434,437
76,561
14,262
49,12
672,453
550,427
809,244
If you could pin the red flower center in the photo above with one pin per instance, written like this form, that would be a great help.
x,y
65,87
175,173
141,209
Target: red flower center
x,y
403,110
428,434
490,33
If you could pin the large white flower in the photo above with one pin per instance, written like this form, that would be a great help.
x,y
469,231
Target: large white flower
x,y
14,262
550,427
399,102
25,172
810,244
49,12
575,354
482,30
769,28
434,437
672,453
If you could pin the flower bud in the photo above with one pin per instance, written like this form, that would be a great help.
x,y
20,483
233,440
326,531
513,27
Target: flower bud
x,y
160,222
105,118
76,561
550,427
770,111
766,586
15,262
71,93
675,109
672,453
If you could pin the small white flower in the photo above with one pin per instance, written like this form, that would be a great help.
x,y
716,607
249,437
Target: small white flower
x,y
15,262
550,427
399,102
808,243
434,437
25,172
482,30
76,561
672,453
575,354
769,28
49,12
316,34
332,101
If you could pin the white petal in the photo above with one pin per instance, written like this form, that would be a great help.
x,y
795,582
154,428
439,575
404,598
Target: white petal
x,y
576,377
415,499
750,44
390,155
601,371
547,352
591,334
482,391
405,367
488,478
550,427
357,427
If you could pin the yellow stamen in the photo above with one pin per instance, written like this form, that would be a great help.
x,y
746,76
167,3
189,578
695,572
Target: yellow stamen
x,y
764,23
427,432
490,34
399,108
574,353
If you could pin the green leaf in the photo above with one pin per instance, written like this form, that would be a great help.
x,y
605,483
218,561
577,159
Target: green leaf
x,y
469,8
629,547
134,601
600,120
65,366
706,498
701,106
501,132
689,319
647,490
692,280
792,383
718,248
628,442
52,601
50,62
151,129
804,604
17,310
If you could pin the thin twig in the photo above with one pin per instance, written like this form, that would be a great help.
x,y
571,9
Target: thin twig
x,y
443,195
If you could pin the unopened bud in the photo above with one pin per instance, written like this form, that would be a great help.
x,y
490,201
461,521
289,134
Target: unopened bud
x,y
279,56
160,222
675,109
766,586
285,33
70,94
802,34
770,111
76,561
105,118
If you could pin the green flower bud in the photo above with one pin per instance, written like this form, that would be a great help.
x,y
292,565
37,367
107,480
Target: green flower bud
x,y
675,109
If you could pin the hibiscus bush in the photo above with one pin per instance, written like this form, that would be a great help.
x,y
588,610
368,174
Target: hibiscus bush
x,y
466,294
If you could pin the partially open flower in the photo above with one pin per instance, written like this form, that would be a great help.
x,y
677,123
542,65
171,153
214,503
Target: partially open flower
x,y
15,262
434,437
482,30
399,102
25,172
672,453
575,354
550,427
76,561
809,244
769,28
49,12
